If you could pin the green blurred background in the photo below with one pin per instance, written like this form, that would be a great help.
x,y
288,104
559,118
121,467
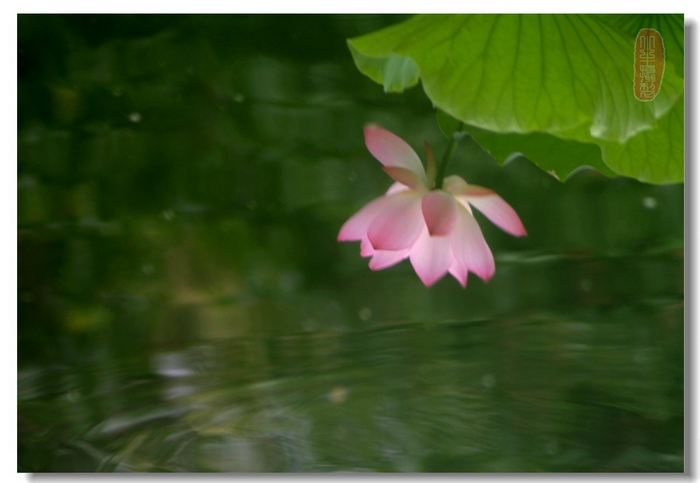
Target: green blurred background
x,y
184,305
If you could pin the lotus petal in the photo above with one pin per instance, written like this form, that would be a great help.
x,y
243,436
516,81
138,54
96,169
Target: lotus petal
x,y
392,151
440,212
487,202
431,257
459,271
469,247
396,188
386,258
366,248
406,177
356,227
495,209
454,184
398,223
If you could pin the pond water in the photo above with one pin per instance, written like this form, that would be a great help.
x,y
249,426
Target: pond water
x,y
184,304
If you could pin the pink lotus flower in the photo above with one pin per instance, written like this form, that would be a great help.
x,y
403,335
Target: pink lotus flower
x,y
435,228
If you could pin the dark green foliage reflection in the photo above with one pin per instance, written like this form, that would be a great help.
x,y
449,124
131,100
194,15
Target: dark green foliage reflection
x,y
184,305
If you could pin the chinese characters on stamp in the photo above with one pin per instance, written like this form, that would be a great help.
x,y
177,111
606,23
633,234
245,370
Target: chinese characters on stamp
x,y
649,60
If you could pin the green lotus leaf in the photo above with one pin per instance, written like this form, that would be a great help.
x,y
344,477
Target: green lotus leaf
x,y
394,72
556,156
564,76
655,155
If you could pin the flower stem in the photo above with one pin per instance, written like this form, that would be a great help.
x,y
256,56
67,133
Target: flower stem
x,y
446,157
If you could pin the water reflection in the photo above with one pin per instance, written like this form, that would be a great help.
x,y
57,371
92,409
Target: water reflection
x,y
184,305
593,388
